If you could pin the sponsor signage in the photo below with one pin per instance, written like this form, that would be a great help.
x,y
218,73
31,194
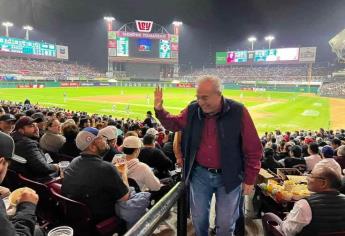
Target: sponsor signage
x,y
144,26
62,52
69,84
143,35
307,54
184,85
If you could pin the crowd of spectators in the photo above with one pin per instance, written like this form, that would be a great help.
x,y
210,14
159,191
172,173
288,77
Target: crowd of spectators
x,y
237,73
45,136
47,69
90,141
333,88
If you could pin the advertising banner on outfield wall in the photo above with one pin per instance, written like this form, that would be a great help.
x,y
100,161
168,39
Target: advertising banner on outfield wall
x,y
307,54
61,52
185,85
69,84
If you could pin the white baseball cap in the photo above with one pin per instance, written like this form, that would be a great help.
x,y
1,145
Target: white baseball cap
x,y
110,132
132,142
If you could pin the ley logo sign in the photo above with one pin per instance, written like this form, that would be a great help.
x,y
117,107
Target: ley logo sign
x,y
144,26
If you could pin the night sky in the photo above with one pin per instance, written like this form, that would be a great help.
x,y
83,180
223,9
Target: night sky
x,y
208,25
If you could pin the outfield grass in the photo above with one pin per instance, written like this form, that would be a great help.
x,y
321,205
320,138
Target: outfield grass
x,y
270,110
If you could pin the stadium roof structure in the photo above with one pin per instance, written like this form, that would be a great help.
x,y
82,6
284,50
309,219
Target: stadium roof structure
x,y
337,44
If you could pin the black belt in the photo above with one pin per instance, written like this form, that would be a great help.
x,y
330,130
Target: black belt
x,y
212,170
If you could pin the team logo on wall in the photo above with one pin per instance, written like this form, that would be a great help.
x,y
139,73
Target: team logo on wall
x,y
144,26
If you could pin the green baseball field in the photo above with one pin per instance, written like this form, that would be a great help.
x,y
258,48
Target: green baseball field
x,y
270,110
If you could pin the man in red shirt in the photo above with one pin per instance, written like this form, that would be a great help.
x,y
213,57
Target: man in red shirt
x,y
221,151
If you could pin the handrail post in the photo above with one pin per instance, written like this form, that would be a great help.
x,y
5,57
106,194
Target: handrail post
x,y
182,213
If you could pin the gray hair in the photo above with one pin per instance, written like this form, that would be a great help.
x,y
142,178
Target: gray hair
x,y
217,83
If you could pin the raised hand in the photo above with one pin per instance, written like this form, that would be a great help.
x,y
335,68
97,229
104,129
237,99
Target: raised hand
x,y
158,102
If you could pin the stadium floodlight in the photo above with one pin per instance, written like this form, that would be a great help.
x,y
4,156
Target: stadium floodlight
x,y
109,18
177,23
27,28
7,25
252,40
269,38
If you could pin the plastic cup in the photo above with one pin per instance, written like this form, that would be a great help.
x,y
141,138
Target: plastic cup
x,y
119,161
177,168
61,231
63,165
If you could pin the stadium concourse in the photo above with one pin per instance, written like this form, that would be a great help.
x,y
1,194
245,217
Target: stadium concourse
x,y
301,149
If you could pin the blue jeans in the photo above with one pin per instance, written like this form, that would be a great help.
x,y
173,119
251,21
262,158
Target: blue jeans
x,y
202,186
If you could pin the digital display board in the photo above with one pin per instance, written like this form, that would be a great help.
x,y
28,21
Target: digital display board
x,y
236,57
21,46
164,49
122,47
287,54
144,45
221,58
276,55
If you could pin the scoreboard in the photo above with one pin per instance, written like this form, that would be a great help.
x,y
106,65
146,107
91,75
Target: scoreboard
x,y
274,56
134,46
26,47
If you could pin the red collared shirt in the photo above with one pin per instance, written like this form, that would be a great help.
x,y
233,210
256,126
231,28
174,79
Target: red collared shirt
x,y
209,151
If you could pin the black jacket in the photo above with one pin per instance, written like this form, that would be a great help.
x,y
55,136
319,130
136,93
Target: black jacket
x,y
22,223
36,166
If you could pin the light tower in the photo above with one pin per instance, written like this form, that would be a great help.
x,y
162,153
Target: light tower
x,y
27,28
177,25
252,40
109,20
269,38
7,25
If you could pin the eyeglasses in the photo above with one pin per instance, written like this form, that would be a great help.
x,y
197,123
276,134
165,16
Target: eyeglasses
x,y
315,177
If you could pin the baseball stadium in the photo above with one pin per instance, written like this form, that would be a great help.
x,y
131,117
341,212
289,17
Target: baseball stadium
x,y
65,102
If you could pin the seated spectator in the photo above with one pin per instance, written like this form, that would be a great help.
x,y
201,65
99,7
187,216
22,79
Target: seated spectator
x,y
7,122
24,220
313,150
110,133
140,172
52,140
93,181
37,166
316,213
168,148
340,158
70,131
328,160
336,143
269,162
41,122
154,157
295,159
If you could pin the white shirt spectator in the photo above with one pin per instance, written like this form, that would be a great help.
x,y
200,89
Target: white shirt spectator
x,y
143,175
299,217
312,160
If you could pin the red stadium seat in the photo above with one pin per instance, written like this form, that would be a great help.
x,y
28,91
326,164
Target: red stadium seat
x,y
78,216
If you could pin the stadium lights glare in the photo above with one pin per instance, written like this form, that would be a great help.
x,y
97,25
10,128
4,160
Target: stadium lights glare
x,y
269,38
109,18
27,28
177,23
7,24
252,40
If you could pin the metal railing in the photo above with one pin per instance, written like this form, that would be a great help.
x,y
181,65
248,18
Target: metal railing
x,y
150,221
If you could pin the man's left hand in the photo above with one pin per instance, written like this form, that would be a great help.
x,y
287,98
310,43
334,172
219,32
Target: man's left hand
x,y
247,189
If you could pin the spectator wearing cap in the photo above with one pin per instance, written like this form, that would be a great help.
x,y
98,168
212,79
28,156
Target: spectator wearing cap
x,y
155,157
70,131
335,143
340,158
52,140
41,122
110,133
313,150
295,159
155,133
328,159
140,172
7,122
91,180
37,166
24,220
